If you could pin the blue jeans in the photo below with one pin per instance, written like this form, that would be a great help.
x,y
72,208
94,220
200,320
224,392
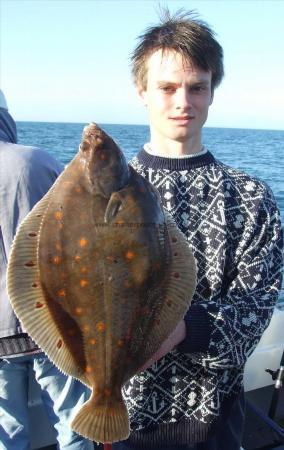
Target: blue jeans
x,y
61,396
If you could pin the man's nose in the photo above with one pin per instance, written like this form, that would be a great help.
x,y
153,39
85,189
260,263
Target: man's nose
x,y
183,98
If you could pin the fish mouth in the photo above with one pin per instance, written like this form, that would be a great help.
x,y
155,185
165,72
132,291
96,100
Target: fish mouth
x,y
105,165
93,137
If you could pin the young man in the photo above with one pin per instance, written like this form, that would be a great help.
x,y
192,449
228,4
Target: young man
x,y
192,396
26,174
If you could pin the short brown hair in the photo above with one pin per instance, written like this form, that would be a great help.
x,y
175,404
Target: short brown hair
x,y
184,34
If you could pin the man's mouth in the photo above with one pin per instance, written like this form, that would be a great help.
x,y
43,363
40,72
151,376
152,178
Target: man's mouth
x,y
182,119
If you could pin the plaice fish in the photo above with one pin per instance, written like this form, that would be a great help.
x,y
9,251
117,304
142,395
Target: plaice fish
x,y
99,276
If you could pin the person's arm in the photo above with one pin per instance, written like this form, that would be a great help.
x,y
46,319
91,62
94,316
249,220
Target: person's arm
x,y
26,175
40,173
224,331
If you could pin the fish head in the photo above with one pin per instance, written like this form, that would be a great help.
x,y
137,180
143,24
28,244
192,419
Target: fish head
x,y
102,161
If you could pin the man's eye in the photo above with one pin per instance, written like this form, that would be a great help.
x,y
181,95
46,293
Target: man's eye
x,y
198,88
168,89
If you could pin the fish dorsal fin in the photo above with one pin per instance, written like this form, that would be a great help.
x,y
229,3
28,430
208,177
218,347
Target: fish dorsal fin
x,y
26,293
180,289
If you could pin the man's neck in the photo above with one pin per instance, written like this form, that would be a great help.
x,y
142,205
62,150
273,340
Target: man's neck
x,y
172,148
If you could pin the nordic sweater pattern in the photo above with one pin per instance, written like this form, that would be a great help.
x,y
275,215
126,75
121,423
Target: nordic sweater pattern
x,y
233,228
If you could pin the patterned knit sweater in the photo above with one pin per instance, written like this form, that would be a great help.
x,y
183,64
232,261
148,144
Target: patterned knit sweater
x,y
233,227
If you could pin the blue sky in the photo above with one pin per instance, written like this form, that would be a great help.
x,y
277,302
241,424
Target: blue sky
x,y
68,60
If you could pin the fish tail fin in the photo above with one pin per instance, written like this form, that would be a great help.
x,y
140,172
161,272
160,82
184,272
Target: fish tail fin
x,y
107,422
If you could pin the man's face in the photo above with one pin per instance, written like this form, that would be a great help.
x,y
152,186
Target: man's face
x,y
178,96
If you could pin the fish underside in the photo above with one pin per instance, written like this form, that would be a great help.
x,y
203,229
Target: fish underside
x,y
99,276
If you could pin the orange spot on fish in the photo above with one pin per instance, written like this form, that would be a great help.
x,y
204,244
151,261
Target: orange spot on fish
x,y
89,369
84,283
34,285
59,343
78,311
39,305
83,242
56,259
84,270
58,215
93,341
101,326
77,258
129,255
61,293
107,392
120,222
78,189
127,284
30,264
86,327
58,247
120,343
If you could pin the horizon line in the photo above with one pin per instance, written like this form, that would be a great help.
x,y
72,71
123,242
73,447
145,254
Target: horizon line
x,y
144,125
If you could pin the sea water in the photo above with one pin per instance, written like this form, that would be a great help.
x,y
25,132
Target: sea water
x,y
257,152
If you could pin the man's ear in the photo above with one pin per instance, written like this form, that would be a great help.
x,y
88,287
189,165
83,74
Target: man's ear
x,y
212,97
142,92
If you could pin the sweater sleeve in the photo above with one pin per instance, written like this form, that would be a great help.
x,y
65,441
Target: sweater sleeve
x,y
36,177
224,331
26,175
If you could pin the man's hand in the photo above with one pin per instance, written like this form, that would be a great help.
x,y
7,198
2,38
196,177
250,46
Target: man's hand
x,y
174,339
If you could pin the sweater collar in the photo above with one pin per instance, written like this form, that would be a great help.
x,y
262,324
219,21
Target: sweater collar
x,y
185,163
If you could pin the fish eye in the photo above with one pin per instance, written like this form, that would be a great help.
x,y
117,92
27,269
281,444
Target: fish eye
x,y
114,206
